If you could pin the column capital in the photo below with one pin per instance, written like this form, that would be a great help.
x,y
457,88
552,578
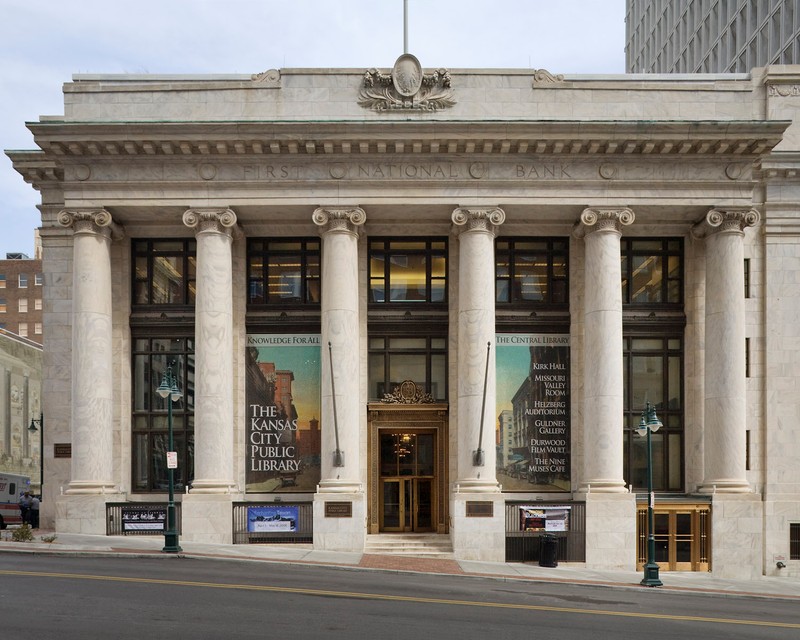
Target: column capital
x,y
339,218
726,220
210,220
91,221
594,219
478,218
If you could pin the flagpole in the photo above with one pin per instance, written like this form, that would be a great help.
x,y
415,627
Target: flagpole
x,y
405,26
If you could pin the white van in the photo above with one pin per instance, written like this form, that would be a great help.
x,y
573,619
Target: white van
x,y
11,489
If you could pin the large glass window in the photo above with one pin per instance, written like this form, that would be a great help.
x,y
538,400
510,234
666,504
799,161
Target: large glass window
x,y
283,271
165,272
654,373
394,359
151,357
652,271
411,271
531,271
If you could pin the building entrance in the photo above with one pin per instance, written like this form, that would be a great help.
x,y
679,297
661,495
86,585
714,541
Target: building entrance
x,y
682,536
407,471
408,492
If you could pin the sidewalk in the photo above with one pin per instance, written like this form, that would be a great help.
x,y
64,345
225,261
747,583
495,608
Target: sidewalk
x,y
150,546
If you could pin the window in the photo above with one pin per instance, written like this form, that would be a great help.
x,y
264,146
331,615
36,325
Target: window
x,y
283,271
37,304
652,271
794,541
23,330
37,328
151,357
2,280
164,272
747,277
393,359
23,280
531,271
2,305
23,305
412,271
654,373
38,279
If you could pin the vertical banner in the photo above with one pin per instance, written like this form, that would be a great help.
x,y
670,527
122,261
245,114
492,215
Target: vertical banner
x,y
282,450
533,423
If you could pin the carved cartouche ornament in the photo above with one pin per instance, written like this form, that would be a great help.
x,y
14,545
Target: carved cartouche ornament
x,y
406,87
407,392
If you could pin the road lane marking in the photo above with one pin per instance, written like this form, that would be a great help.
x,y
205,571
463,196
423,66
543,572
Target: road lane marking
x,y
395,598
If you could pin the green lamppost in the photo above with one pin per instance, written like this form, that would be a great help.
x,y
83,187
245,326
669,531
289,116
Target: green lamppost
x,y
647,426
168,389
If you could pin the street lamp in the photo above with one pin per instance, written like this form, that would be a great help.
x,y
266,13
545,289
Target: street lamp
x,y
647,426
168,389
32,429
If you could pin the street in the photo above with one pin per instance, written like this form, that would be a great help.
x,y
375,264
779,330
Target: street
x,y
47,597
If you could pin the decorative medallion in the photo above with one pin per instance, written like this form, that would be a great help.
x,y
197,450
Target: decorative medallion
x,y
406,87
407,392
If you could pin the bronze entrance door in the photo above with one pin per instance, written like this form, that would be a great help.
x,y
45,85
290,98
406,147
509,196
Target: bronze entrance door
x,y
407,504
408,470
682,536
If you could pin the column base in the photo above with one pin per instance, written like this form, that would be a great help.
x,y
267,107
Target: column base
x,y
737,536
603,486
340,486
724,486
610,530
213,487
207,517
340,519
482,538
84,513
90,488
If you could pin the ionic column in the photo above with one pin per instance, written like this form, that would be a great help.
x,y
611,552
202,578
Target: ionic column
x,y
92,355
213,421
603,363
476,330
340,328
724,422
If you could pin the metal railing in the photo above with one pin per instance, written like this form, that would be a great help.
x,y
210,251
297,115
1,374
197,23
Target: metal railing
x,y
120,517
524,546
299,532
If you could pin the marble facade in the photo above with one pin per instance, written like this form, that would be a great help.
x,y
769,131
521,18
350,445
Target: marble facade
x,y
484,154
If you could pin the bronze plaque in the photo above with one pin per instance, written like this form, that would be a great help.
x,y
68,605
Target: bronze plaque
x,y
480,509
62,450
338,509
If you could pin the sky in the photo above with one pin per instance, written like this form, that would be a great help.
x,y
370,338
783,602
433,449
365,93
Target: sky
x,y
44,42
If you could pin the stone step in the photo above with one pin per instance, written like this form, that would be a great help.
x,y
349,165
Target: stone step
x,y
420,545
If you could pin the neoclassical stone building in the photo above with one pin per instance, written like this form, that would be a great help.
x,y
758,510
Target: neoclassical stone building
x,y
426,301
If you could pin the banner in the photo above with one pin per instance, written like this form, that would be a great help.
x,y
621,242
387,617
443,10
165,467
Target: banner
x,y
282,451
136,518
272,518
533,423
544,518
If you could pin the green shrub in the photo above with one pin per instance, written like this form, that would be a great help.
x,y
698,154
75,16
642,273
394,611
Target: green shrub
x,y
23,534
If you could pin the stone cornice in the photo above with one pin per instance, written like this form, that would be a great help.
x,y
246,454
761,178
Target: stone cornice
x,y
231,139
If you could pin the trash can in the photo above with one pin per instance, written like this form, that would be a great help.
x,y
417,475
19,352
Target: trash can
x,y
548,550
